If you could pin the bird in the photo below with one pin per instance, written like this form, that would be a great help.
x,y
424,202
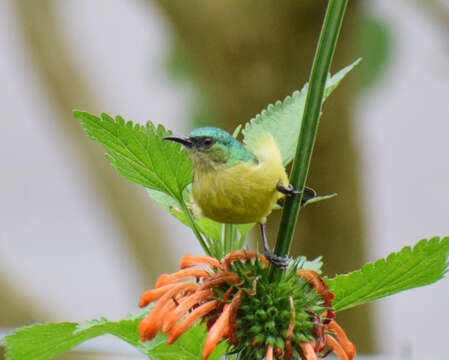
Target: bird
x,y
235,184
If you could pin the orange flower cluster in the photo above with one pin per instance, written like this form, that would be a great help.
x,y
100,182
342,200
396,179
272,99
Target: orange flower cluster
x,y
215,297
324,342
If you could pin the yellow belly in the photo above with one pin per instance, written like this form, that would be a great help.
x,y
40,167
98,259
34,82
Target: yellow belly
x,y
243,193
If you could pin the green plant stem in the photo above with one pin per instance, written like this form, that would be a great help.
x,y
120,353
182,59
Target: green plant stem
x,y
228,230
240,241
235,239
320,69
194,227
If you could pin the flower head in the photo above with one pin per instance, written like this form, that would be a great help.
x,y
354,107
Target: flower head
x,y
235,298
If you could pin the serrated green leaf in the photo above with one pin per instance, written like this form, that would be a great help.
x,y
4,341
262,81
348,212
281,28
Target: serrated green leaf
x,y
426,263
139,153
283,119
45,341
90,323
139,314
188,347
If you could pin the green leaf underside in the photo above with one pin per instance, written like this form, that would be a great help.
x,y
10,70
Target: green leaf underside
x,y
315,264
208,227
421,265
45,341
283,119
139,152
320,198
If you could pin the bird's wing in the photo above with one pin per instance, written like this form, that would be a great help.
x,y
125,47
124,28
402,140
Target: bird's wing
x,y
265,148
269,157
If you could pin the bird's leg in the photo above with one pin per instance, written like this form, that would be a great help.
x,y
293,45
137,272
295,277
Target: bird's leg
x,y
279,261
289,190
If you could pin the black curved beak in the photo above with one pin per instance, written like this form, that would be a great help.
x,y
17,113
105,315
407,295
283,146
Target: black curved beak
x,y
186,141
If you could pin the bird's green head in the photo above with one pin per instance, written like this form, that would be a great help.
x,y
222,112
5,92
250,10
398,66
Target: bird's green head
x,y
211,146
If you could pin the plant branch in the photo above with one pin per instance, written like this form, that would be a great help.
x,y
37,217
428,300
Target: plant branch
x,y
228,245
320,69
195,228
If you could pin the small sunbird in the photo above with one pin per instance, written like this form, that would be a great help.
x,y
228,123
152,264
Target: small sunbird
x,y
234,184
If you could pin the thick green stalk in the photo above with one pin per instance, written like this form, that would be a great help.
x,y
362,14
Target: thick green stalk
x,y
320,69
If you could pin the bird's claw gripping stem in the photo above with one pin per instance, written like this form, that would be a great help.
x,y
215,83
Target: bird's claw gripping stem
x,y
281,262
289,190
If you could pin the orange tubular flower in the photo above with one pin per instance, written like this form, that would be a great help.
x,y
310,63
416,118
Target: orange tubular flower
x,y
283,320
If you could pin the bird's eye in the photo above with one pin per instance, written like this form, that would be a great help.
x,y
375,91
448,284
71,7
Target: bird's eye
x,y
208,141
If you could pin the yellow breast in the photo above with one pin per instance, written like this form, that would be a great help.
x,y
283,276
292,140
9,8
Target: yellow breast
x,y
243,193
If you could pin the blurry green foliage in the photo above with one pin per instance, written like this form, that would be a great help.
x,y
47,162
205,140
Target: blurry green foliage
x,y
374,43
179,67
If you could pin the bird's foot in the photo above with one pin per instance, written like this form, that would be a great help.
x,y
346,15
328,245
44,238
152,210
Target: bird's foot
x,y
281,262
289,190
277,260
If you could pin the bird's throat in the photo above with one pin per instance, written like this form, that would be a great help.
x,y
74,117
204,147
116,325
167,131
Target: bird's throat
x,y
202,162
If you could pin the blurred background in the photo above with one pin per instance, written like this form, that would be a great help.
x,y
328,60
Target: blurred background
x,y
77,241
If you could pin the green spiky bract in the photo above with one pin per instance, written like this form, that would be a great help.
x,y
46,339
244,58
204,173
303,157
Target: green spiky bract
x,y
265,311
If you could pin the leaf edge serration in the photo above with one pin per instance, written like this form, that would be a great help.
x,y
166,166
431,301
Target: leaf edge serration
x,y
379,266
